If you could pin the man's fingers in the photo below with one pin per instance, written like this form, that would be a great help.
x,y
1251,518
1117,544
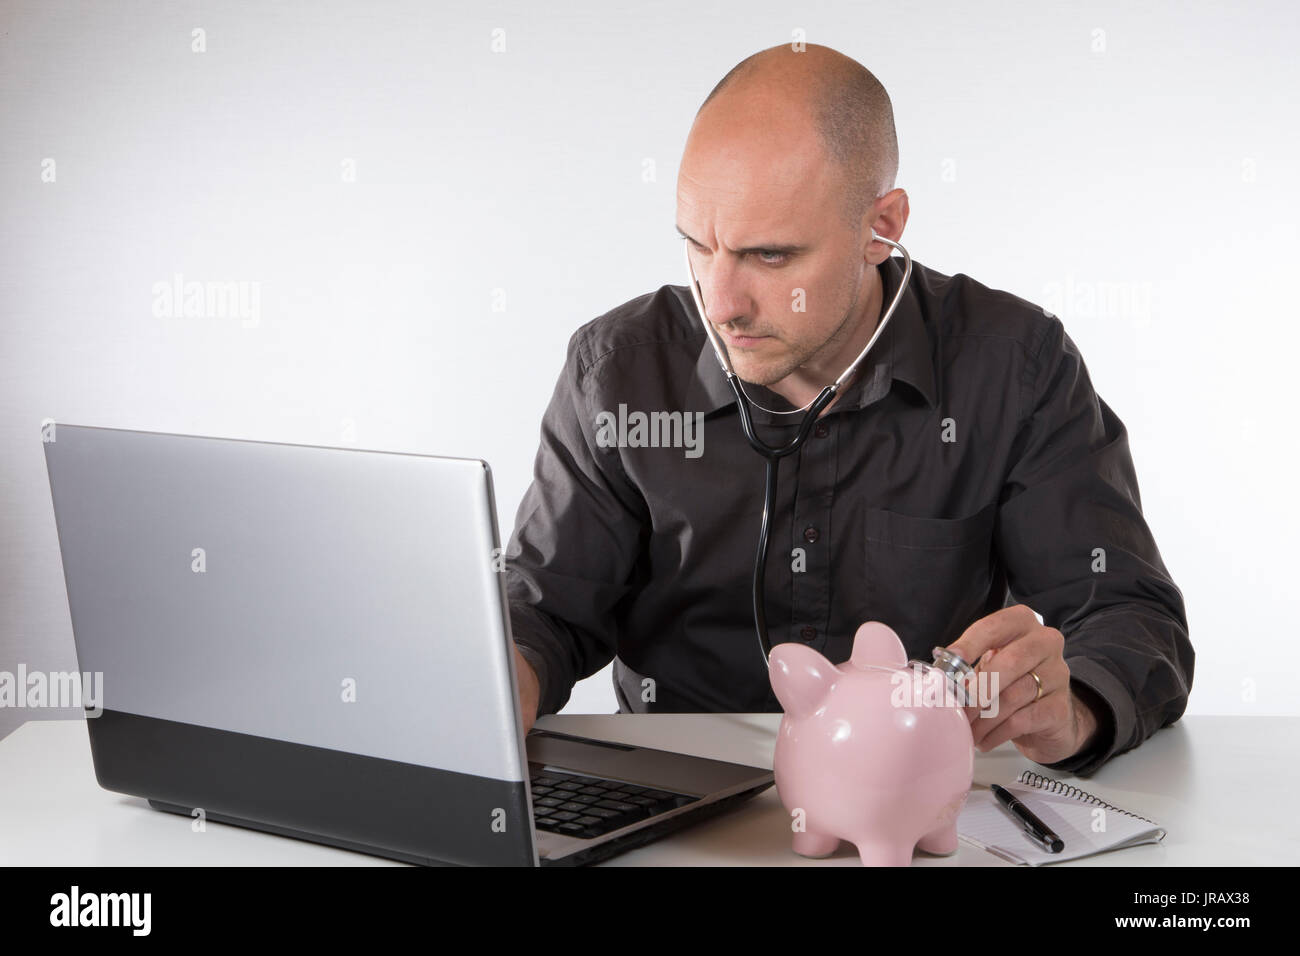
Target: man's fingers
x,y
1017,691
994,630
1047,715
1039,649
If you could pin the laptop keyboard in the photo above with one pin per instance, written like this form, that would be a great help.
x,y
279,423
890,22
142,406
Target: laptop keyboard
x,y
590,807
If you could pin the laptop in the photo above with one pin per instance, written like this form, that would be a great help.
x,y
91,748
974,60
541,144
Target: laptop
x,y
315,642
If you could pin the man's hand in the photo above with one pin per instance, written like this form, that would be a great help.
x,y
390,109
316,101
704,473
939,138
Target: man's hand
x,y
529,689
1056,725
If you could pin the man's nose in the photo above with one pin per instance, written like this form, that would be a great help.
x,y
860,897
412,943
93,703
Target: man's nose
x,y
724,294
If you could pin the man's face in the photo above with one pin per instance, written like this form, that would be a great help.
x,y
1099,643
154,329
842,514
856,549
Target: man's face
x,y
781,275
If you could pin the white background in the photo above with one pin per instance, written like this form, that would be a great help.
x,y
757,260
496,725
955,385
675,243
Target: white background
x,y
1130,167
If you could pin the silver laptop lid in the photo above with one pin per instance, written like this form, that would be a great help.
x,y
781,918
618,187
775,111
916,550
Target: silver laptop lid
x,y
330,597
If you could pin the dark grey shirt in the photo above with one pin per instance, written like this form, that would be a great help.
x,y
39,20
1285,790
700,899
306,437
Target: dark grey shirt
x,y
969,466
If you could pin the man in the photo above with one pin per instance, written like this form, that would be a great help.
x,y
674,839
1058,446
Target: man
x,y
969,461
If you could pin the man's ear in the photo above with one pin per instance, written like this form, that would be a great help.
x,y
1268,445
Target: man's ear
x,y
887,216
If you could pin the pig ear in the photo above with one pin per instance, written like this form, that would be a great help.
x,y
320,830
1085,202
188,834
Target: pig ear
x,y
875,643
800,677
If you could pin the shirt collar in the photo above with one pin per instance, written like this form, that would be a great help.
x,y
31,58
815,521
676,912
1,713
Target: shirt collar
x,y
902,352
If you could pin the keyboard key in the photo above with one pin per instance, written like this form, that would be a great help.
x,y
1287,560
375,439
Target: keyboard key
x,y
603,813
596,791
564,816
584,798
587,821
575,807
542,811
616,805
548,802
568,785
571,828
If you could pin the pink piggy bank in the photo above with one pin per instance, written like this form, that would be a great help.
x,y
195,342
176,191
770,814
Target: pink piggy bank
x,y
866,758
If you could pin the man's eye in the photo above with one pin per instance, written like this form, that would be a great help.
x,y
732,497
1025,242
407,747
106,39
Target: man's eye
x,y
780,257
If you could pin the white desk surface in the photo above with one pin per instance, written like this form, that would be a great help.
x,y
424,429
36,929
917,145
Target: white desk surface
x,y
1223,787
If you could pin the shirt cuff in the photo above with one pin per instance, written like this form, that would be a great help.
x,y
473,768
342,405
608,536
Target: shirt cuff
x,y
536,646
538,664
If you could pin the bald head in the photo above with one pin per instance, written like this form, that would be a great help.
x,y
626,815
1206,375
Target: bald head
x,y
834,96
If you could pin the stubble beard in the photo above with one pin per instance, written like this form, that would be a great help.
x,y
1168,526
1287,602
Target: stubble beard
x,y
772,375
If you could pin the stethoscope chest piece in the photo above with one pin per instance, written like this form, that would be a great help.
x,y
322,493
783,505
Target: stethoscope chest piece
x,y
958,673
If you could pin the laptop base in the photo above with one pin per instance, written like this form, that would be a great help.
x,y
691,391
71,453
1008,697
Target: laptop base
x,y
302,835
598,852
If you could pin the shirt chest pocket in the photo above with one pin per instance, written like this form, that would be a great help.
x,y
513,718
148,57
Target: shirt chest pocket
x,y
928,578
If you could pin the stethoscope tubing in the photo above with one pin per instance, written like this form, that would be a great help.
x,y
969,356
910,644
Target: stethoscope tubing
x,y
774,453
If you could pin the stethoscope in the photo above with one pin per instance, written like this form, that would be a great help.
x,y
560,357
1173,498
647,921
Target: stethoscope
x,y
774,454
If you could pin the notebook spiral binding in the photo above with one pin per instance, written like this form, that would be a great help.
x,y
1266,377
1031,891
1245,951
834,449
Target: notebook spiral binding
x,y
1051,785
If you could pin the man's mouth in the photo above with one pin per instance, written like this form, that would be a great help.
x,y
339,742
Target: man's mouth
x,y
743,341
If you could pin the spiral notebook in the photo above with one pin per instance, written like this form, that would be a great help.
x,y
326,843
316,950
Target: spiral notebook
x,y
1072,813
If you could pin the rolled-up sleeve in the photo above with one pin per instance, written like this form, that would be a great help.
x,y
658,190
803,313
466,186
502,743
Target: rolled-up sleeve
x,y
1078,550
577,536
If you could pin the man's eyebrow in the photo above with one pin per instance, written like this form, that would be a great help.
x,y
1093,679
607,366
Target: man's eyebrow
x,y
786,248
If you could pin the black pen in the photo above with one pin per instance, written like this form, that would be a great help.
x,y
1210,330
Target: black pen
x,y
1035,829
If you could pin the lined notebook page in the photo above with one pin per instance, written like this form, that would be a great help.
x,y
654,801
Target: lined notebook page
x,y
985,824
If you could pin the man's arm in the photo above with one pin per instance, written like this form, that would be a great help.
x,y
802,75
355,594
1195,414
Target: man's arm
x,y
577,536
1079,552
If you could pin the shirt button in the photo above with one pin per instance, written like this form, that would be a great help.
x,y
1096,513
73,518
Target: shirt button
x,y
822,430
808,633
811,535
